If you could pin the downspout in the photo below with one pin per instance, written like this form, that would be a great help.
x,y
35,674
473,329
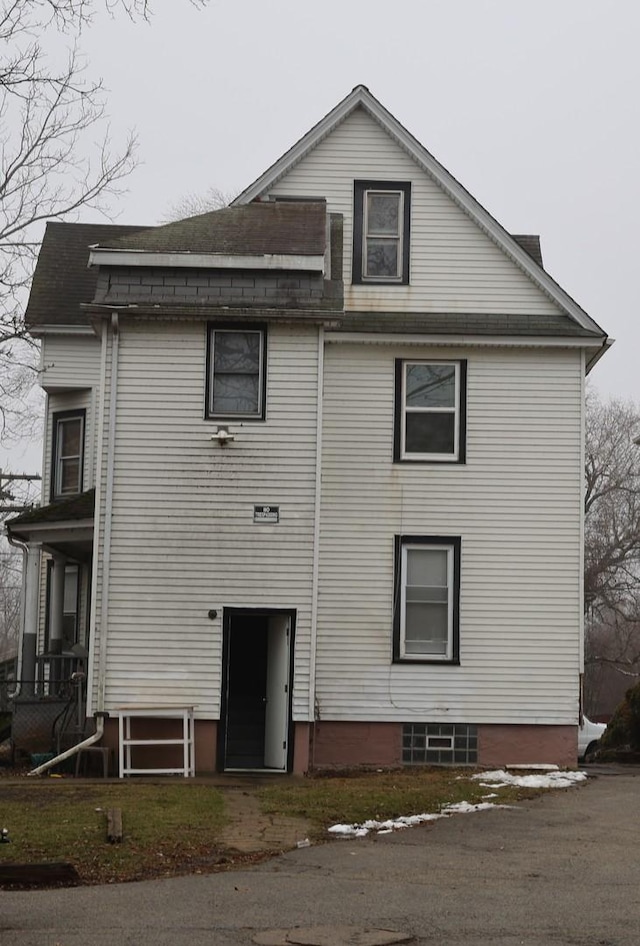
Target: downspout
x,y
316,538
106,558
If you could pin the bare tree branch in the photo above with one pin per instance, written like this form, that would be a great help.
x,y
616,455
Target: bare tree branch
x,y
56,152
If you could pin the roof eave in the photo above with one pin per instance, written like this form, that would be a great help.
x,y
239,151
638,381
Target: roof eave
x,y
298,262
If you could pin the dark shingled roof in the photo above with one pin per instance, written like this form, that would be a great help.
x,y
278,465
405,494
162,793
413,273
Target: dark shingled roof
x,y
62,280
465,323
530,243
74,508
290,228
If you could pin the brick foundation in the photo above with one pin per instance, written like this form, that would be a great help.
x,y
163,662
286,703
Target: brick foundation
x,y
518,745
343,745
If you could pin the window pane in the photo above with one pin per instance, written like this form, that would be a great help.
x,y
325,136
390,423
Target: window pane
x,y
69,475
236,394
237,352
70,436
431,386
426,629
383,213
426,567
382,258
430,433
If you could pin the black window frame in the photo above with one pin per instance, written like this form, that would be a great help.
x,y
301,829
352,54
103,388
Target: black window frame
x,y
454,543
58,418
253,327
360,190
400,455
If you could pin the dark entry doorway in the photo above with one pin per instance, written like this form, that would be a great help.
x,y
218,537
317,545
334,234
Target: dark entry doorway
x,y
256,690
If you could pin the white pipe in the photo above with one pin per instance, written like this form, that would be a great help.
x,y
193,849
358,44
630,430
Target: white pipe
x,y
316,531
97,735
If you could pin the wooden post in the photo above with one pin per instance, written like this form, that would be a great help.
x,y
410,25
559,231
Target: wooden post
x,y
114,825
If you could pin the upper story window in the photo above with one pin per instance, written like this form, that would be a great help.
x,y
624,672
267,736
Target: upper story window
x,y
68,453
381,227
430,416
426,626
236,377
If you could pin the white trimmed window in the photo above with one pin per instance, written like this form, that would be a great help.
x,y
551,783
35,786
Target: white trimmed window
x,y
236,372
430,411
381,232
68,453
427,625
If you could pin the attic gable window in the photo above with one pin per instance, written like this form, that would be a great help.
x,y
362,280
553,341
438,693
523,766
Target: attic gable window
x,y
381,228
236,372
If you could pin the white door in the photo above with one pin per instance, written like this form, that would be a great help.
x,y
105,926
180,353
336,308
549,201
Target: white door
x,y
277,709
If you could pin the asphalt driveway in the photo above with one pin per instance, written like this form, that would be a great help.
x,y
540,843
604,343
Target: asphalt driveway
x,y
562,869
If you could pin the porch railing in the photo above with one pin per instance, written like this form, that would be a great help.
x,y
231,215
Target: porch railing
x,y
48,714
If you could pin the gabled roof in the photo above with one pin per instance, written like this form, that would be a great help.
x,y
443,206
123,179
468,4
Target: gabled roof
x,y
62,281
361,97
253,230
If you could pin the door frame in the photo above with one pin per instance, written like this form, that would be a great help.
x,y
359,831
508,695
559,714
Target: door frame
x,y
227,618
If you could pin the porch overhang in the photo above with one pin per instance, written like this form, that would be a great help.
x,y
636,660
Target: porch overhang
x,y
65,526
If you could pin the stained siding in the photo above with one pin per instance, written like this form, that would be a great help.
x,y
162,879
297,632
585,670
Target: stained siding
x,y
70,361
455,266
515,504
184,540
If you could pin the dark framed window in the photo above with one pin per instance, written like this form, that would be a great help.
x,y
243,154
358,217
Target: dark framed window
x,y
430,411
236,372
67,453
426,625
381,231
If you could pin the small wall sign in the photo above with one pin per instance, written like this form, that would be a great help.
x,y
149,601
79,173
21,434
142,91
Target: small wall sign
x,y
266,513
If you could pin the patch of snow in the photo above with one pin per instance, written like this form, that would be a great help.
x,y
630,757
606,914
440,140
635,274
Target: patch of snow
x,y
465,807
555,779
536,767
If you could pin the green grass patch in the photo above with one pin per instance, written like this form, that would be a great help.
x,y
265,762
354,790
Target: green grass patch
x,y
169,828
330,799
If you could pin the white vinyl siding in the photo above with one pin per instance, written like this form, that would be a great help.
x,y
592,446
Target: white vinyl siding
x,y
69,361
454,265
516,506
183,537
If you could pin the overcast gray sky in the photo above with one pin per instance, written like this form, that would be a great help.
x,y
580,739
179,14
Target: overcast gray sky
x,y
532,106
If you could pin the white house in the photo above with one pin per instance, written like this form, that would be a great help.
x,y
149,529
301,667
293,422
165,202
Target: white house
x,y
313,474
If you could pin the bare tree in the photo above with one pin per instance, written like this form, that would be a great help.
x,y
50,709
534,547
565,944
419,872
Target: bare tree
x,y
10,585
612,545
51,114
190,205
